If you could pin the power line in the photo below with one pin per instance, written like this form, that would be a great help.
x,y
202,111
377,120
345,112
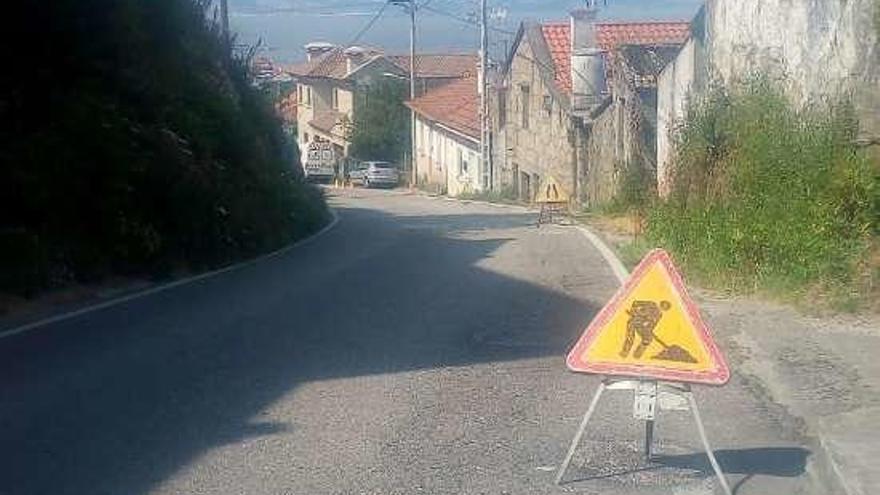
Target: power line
x,y
326,60
371,22
549,68
465,20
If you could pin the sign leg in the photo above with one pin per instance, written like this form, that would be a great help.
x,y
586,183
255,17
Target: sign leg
x,y
705,440
649,439
577,437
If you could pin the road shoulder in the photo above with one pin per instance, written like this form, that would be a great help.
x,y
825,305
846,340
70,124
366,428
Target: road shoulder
x,y
821,370
87,300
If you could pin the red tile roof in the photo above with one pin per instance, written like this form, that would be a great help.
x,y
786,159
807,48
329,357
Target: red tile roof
x,y
559,41
454,105
333,64
439,65
609,36
613,34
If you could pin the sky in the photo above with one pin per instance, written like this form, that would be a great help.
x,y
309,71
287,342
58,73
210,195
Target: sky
x,y
283,26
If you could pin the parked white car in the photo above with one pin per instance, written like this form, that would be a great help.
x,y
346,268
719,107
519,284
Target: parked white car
x,y
375,173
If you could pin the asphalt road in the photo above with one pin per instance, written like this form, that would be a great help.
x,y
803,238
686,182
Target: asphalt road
x,y
417,347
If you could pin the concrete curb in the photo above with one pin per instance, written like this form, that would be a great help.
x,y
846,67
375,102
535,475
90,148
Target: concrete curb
x,y
832,467
5,333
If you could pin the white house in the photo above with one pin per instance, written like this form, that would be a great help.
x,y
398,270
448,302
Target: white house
x,y
447,138
329,85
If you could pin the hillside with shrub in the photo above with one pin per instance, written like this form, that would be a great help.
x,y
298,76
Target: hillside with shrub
x,y
133,143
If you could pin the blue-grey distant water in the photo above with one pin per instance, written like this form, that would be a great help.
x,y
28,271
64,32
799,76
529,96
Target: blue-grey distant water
x,y
284,26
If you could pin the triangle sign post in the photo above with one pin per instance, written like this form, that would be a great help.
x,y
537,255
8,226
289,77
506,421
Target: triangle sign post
x,y
651,329
552,198
651,339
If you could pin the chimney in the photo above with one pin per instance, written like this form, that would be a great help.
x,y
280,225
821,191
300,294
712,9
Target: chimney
x,y
354,57
317,48
587,62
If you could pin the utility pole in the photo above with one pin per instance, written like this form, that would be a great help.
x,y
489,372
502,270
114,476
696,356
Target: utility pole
x,y
412,82
485,155
412,88
224,19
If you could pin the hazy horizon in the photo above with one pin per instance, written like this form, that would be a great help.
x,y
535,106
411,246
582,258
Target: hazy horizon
x,y
284,26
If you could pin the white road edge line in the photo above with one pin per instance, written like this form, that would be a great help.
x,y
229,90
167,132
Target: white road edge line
x,y
617,266
613,261
153,290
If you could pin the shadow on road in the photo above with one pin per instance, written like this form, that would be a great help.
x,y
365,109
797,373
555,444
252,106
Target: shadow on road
x,y
770,461
118,400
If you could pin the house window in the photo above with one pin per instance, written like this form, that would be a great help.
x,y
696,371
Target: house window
x,y
462,163
306,137
308,95
525,96
334,99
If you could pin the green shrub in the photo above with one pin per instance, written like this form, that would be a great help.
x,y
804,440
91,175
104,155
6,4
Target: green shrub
x,y
133,142
381,130
766,197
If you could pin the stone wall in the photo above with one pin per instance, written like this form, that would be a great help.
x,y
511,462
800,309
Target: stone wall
x,y
817,50
674,87
621,136
601,171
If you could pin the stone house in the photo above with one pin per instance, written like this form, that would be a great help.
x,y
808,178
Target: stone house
x,y
447,138
576,103
533,133
328,86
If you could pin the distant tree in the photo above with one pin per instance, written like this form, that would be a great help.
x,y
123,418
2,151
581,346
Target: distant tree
x,y
381,127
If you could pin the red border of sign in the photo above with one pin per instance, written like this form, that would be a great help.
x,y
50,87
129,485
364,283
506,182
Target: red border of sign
x,y
719,375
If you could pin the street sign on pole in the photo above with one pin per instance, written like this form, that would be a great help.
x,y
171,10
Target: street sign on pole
x,y
651,329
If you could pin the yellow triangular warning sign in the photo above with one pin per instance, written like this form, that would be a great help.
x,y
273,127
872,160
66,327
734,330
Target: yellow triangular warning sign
x,y
651,328
551,192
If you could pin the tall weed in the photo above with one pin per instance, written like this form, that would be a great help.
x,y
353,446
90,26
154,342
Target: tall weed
x,y
766,197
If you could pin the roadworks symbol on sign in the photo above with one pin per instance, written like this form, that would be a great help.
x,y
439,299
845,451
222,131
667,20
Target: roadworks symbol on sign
x,y
651,329
551,192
